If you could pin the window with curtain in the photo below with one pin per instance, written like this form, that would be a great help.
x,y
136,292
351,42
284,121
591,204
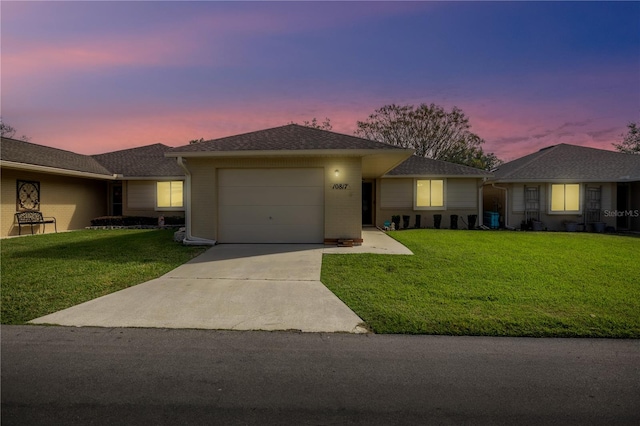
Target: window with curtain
x,y
565,198
429,193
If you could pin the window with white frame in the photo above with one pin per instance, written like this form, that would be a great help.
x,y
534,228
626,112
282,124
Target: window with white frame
x,y
429,194
565,198
169,194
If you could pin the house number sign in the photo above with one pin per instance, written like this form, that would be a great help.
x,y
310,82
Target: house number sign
x,y
340,186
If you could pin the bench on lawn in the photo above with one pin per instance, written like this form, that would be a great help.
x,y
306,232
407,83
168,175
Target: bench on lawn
x,y
31,217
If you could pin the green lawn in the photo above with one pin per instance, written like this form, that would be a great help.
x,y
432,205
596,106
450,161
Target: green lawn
x,y
45,273
496,284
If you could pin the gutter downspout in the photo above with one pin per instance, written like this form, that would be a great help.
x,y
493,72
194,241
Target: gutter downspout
x,y
481,201
190,240
506,204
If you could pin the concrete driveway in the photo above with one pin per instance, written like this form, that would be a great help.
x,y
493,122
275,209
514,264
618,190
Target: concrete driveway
x,y
233,287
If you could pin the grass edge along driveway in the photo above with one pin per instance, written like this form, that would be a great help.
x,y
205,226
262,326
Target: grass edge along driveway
x,y
42,274
495,284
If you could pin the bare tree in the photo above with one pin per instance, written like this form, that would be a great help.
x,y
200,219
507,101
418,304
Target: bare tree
x,y
325,125
7,131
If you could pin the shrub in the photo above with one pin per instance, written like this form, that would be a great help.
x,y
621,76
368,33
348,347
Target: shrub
x,y
135,221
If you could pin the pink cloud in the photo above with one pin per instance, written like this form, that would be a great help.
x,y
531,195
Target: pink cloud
x,y
510,129
52,59
178,42
127,127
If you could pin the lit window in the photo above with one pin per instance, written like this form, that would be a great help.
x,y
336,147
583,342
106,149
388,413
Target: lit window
x,y
565,197
169,194
429,193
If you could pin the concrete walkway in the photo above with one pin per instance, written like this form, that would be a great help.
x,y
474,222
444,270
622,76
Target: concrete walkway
x,y
234,287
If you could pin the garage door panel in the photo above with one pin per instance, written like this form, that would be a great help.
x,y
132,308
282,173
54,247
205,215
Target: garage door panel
x,y
271,196
270,177
271,205
276,215
271,234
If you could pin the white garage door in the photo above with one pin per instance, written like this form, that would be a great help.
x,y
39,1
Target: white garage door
x,y
270,206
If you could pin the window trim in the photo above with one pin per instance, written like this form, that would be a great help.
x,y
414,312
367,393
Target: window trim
x,y
444,194
169,208
565,212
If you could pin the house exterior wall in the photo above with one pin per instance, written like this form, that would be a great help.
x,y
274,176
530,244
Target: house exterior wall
x,y
139,199
342,207
515,204
395,196
72,201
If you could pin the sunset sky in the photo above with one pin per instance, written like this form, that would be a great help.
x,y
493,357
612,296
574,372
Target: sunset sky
x,y
93,77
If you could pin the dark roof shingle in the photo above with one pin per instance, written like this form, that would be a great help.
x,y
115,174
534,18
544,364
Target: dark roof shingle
x,y
571,162
421,166
30,153
290,137
144,161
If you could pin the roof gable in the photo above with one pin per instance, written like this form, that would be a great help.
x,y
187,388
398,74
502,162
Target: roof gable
x,y
27,153
421,166
571,162
144,161
292,137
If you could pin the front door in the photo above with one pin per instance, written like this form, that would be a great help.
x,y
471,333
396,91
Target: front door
x,y
367,203
622,206
116,200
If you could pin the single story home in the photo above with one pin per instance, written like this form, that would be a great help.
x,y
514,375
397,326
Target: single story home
x,y
296,184
289,184
567,185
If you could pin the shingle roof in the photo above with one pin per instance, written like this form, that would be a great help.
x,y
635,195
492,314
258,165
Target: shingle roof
x,y
143,161
421,166
291,137
571,162
30,153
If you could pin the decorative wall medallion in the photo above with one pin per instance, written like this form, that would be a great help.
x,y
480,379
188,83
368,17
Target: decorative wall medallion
x,y
28,195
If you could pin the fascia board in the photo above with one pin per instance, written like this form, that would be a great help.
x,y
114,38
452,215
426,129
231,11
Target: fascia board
x,y
414,176
54,170
621,179
286,153
154,178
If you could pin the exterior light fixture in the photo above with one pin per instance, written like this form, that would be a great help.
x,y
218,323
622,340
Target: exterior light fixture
x,y
337,172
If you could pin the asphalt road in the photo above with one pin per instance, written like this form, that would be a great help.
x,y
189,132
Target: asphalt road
x,y
100,376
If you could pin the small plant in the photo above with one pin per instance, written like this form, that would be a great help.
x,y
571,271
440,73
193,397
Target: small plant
x,y
405,222
135,221
396,221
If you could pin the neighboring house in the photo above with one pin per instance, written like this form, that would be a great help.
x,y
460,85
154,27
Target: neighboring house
x,y
567,183
71,187
426,187
76,188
